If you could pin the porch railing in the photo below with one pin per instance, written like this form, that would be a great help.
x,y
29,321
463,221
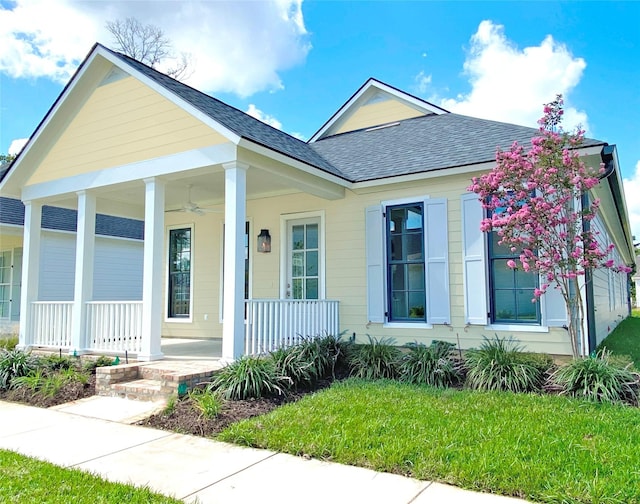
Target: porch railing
x,y
114,326
51,323
274,323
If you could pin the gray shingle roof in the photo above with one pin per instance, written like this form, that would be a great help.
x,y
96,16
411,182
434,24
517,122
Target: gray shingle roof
x,y
423,144
237,121
64,219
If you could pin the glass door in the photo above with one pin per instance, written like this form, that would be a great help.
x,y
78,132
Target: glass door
x,y
303,268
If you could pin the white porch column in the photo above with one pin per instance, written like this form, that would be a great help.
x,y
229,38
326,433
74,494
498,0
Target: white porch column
x,y
83,290
152,288
235,199
30,269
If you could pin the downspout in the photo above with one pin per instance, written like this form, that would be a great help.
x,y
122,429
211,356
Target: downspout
x,y
607,158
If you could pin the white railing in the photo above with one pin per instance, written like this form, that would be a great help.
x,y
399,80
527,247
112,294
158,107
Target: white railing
x,y
50,324
275,323
114,326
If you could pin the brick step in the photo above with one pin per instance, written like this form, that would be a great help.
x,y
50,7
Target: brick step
x,y
141,390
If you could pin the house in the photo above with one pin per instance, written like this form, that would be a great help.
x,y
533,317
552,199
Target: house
x,y
636,279
255,237
118,257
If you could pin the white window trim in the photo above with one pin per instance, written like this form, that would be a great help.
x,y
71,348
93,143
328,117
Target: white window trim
x,y
385,277
284,249
518,328
251,243
179,320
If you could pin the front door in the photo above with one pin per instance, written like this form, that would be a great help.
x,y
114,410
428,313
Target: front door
x,y
303,259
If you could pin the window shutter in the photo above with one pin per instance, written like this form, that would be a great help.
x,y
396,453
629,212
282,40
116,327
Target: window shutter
x,y
375,265
555,311
474,260
436,249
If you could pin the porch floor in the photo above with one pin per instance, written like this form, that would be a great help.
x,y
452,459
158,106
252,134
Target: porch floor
x,y
186,349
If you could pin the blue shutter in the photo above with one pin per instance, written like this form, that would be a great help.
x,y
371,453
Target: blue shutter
x,y
436,248
375,264
474,260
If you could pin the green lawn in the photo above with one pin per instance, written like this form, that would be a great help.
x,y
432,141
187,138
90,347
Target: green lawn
x,y
625,338
24,480
541,448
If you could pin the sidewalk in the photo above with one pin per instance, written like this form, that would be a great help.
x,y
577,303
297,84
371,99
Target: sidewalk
x,y
190,468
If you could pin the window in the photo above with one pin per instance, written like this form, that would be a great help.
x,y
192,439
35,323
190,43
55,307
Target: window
x,y
511,290
405,263
407,253
179,273
5,284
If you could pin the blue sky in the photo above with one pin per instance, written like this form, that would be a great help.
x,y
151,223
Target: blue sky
x,y
293,63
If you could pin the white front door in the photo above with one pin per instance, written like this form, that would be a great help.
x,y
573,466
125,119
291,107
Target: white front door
x,y
304,260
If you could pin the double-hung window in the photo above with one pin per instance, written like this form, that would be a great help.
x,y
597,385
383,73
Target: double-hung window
x,y
407,262
179,288
511,289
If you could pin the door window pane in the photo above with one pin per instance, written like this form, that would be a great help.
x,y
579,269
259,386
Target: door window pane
x,y
312,288
179,272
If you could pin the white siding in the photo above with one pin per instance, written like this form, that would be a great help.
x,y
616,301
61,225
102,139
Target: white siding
x,y
117,270
609,289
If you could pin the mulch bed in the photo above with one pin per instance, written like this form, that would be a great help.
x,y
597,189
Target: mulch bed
x,y
186,419
69,392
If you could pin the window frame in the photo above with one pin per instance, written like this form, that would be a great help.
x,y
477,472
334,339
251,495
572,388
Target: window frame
x,y
182,318
390,263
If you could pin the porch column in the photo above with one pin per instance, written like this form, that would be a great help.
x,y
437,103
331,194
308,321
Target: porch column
x,y
83,290
152,287
235,199
30,269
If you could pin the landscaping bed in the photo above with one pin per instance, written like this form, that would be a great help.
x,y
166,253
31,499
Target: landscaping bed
x,y
70,391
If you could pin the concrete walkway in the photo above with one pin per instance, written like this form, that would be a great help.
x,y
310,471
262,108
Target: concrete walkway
x,y
201,470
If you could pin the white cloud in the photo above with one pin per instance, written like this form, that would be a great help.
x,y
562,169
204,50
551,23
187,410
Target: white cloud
x,y
421,82
253,111
17,145
511,84
237,47
631,189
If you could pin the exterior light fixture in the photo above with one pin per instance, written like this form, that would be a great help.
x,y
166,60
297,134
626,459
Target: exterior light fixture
x,y
264,241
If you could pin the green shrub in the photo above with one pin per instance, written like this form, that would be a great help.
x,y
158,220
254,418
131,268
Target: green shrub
x,y
541,361
14,364
58,362
8,341
206,402
377,359
170,407
499,365
292,362
249,377
431,365
102,361
598,378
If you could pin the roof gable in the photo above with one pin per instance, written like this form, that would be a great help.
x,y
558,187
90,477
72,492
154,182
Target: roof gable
x,y
375,104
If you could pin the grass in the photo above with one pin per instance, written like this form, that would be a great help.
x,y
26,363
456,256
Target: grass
x,y
25,479
625,339
542,448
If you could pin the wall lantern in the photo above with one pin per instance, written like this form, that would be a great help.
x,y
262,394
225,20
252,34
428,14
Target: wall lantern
x,y
264,241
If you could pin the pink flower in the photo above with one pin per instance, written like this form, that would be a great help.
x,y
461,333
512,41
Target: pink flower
x,y
511,264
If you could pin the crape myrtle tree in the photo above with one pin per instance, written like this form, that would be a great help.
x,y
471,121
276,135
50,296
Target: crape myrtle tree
x,y
534,202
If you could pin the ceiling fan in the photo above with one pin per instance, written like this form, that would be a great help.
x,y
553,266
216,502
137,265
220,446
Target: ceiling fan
x,y
192,207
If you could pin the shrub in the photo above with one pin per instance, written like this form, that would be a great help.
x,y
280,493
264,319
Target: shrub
x,y
102,361
14,364
8,341
598,378
292,362
500,365
58,362
377,359
431,365
249,377
206,402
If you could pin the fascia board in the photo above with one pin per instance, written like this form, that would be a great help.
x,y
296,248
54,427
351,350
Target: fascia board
x,y
373,83
293,162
